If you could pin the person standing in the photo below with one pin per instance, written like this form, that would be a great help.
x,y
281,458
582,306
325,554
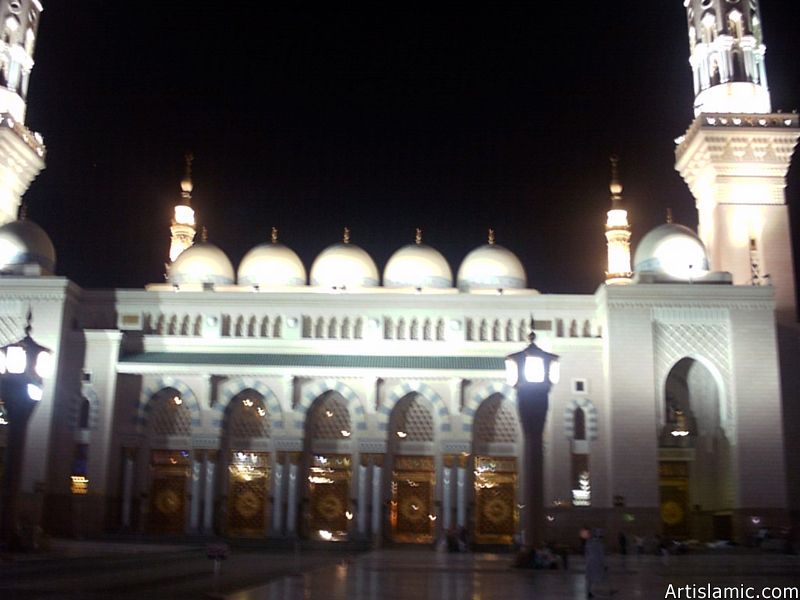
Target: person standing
x,y
596,570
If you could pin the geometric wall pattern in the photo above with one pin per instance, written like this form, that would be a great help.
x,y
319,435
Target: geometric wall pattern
x,y
415,387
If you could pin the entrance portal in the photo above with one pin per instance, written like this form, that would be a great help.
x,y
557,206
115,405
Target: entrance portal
x,y
169,480
496,512
412,510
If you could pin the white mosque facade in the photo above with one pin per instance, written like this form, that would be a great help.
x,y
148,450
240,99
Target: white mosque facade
x,y
349,403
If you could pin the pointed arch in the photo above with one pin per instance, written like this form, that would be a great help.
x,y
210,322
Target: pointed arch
x,y
440,413
590,416
145,405
235,386
354,404
473,402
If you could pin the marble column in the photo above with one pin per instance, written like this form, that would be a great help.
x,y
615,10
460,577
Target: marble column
x,y
447,493
461,491
277,494
128,457
208,502
377,496
292,496
361,509
194,506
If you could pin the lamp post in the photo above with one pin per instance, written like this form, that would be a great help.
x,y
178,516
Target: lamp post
x,y
23,365
532,372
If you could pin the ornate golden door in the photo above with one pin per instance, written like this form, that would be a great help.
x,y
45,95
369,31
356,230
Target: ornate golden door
x,y
496,512
412,511
674,486
329,511
168,482
248,493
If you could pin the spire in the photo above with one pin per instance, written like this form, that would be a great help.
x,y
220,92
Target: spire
x,y
23,212
204,234
669,216
183,230
618,232
346,235
274,235
727,57
491,237
418,236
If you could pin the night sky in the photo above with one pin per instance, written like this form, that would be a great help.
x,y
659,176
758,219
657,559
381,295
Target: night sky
x,y
381,118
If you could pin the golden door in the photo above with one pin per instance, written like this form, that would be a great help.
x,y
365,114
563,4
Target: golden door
x,y
169,478
674,488
412,513
496,514
248,492
329,512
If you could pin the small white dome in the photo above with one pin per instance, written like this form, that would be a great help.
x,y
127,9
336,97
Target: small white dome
x,y
271,265
417,266
25,245
491,267
201,263
673,250
344,266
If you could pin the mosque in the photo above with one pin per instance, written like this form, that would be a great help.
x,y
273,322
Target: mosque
x,y
349,403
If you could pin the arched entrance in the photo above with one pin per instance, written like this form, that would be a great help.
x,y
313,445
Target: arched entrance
x,y
246,448
169,430
495,436
696,486
328,461
412,514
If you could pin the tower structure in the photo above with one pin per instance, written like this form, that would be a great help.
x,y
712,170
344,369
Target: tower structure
x,y
183,228
618,233
735,155
21,150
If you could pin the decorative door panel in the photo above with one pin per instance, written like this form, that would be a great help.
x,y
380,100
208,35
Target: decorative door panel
x,y
496,514
248,494
168,485
674,487
329,512
413,513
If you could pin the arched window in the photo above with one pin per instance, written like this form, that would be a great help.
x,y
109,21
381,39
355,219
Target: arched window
x,y
83,414
579,424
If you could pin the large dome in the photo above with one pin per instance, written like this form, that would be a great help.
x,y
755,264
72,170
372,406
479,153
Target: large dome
x,y
344,266
201,263
24,246
673,250
491,267
419,266
271,265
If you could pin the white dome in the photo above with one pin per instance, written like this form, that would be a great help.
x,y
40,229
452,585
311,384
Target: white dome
x,y
491,267
673,250
25,244
201,263
271,265
418,266
344,266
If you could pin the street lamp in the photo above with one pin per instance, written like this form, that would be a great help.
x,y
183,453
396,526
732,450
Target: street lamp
x,y
23,366
532,372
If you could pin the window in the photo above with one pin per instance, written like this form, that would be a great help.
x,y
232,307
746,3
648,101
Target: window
x,y
579,424
83,415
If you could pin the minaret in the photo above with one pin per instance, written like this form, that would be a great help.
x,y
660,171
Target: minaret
x,y
183,226
21,150
735,155
618,234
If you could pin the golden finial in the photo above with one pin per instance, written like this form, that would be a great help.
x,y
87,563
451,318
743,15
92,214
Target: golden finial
x,y
532,330
186,182
204,234
23,212
491,236
346,236
418,236
669,215
274,235
615,187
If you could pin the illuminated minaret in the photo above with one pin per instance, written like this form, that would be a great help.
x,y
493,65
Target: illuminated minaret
x,y
21,150
735,155
183,226
618,234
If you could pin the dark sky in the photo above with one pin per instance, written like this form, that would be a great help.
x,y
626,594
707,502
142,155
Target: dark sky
x,y
382,118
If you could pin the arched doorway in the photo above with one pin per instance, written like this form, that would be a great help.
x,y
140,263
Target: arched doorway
x,y
246,448
328,461
496,433
169,431
696,485
412,514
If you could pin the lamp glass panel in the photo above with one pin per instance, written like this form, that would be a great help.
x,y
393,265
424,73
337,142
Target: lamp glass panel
x,y
555,371
15,359
512,372
534,369
34,392
44,364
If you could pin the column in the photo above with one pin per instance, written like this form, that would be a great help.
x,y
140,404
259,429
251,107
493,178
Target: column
x,y
377,496
461,490
128,455
277,494
194,506
208,502
361,509
447,504
291,508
